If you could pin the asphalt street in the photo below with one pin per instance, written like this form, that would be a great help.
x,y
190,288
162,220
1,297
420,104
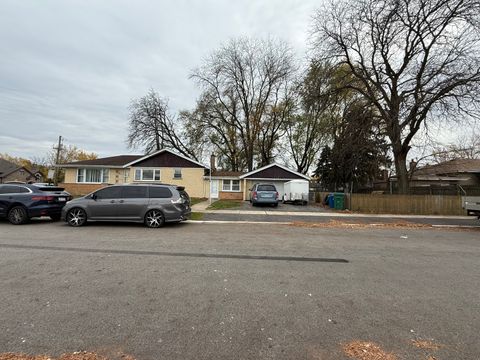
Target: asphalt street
x,y
237,291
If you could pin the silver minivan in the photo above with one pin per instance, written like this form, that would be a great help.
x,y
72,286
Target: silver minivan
x,y
152,204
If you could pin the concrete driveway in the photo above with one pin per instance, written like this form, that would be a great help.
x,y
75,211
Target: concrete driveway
x,y
208,291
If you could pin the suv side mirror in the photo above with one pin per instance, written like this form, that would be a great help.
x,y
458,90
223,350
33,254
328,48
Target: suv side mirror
x,y
93,196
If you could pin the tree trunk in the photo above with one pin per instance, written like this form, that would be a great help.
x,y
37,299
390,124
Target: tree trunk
x,y
400,157
157,142
249,154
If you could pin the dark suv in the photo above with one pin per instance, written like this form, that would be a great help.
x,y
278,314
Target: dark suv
x,y
20,202
152,204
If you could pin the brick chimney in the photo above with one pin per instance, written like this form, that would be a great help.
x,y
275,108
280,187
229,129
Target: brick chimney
x,y
384,174
212,162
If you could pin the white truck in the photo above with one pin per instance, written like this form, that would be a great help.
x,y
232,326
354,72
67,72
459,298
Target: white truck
x,y
296,191
472,205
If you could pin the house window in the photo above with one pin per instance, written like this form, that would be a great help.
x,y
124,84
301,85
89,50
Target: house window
x,y
98,176
126,175
177,174
147,174
231,185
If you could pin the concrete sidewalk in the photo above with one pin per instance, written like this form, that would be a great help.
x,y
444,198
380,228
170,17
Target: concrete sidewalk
x,y
321,214
201,206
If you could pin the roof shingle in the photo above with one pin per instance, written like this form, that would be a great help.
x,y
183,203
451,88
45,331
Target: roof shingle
x,y
455,166
119,160
6,167
226,173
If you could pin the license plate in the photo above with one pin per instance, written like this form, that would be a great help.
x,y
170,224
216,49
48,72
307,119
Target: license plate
x,y
266,196
62,199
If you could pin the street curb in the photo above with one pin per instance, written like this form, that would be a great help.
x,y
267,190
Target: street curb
x,y
237,222
291,223
312,214
457,226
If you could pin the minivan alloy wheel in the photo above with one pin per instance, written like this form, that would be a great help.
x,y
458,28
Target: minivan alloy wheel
x,y
154,219
76,217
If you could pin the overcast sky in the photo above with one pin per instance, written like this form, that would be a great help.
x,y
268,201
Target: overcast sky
x,y
70,68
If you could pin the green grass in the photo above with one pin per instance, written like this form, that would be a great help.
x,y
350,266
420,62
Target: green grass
x,y
195,200
225,204
196,216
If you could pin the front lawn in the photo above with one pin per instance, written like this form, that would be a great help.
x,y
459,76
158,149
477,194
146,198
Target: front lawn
x,y
195,200
196,216
225,204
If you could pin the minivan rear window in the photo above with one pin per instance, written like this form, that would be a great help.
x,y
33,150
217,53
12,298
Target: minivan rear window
x,y
266,188
160,192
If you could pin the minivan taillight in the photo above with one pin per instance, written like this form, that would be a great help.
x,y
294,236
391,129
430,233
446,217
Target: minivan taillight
x,y
276,195
254,194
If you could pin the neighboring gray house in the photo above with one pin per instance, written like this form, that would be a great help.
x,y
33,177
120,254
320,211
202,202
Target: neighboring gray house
x,y
464,172
447,178
12,172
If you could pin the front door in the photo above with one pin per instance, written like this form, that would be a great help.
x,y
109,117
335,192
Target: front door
x,y
214,189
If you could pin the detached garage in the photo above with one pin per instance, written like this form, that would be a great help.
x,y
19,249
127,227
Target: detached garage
x,y
275,174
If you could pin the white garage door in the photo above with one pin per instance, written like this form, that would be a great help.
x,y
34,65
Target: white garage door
x,y
279,186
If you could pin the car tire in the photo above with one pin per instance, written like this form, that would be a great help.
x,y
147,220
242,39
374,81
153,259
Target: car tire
x,y
18,215
275,205
76,217
154,219
55,217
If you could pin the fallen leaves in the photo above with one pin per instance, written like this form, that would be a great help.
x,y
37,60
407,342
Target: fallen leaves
x,y
79,355
364,350
426,344
12,356
337,224
82,356
358,350
387,225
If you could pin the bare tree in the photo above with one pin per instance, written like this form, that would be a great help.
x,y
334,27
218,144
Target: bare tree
x,y
214,125
310,127
152,127
273,124
68,153
415,59
466,146
240,83
322,105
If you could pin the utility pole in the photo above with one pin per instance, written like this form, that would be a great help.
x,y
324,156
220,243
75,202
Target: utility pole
x,y
59,149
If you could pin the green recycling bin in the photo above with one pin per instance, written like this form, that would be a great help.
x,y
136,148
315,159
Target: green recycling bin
x,y
339,201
